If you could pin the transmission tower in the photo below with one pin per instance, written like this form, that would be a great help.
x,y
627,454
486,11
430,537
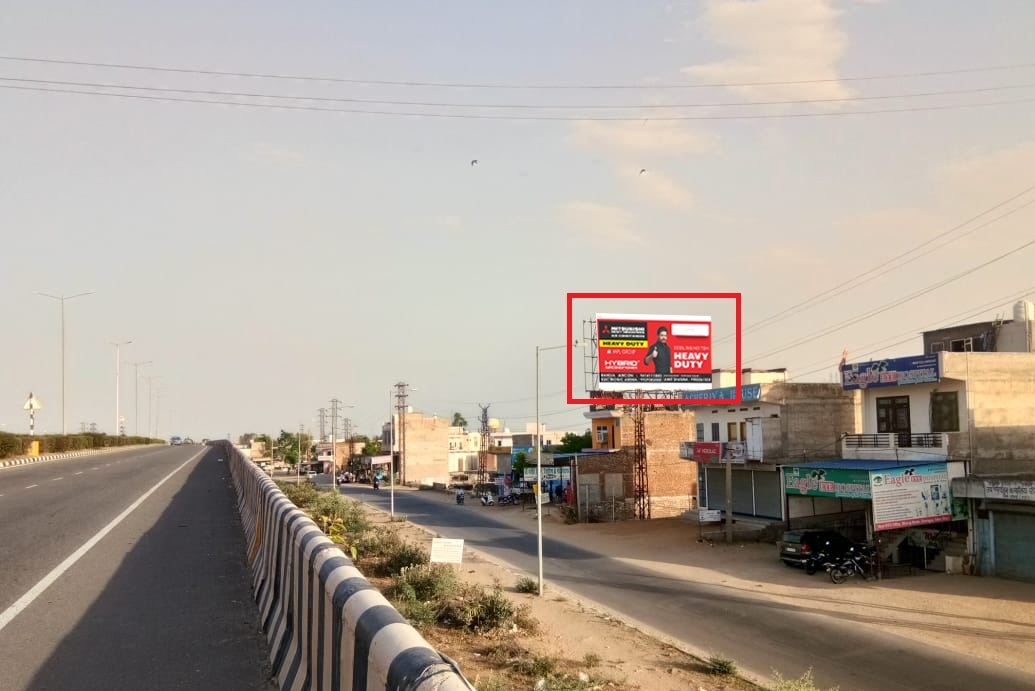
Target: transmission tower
x,y
400,398
483,449
640,490
323,424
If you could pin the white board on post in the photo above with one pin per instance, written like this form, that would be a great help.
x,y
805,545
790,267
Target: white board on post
x,y
446,550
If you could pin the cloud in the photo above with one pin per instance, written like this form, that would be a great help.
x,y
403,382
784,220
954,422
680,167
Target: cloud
x,y
658,187
776,40
275,154
611,226
637,140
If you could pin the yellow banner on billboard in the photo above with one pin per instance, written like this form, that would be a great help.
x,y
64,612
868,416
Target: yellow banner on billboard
x,y
623,344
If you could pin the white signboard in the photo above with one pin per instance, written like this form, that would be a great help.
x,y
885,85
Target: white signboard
x,y
380,460
446,551
1013,490
709,515
550,473
904,497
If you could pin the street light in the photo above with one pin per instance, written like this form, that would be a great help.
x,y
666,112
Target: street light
x,y
335,404
136,395
117,345
63,298
539,461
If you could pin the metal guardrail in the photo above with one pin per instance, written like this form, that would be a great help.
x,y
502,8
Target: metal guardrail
x,y
327,626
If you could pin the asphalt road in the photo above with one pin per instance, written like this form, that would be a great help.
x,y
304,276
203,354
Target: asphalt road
x,y
160,600
760,634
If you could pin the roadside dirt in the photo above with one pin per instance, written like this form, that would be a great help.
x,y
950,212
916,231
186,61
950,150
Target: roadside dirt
x,y
576,636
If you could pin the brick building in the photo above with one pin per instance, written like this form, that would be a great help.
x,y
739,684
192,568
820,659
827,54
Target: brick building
x,y
608,472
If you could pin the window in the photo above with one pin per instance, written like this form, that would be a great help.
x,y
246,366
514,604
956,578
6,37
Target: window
x,y
893,414
743,431
937,346
731,431
715,431
945,411
962,345
699,432
602,434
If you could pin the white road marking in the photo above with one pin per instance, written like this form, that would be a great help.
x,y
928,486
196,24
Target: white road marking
x,y
79,473
94,468
31,486
8,615
57,478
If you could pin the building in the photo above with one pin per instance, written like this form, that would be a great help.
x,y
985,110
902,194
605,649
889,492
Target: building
x,y
962,419
776,422
464,447
608,472
526,439
325,450
998,336
422,445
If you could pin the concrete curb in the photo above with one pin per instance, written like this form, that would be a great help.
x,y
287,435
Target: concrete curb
x,y
327,626
30,460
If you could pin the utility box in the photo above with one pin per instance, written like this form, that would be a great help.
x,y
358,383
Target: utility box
x,y
34,448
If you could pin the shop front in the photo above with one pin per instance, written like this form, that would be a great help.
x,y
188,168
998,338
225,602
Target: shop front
x,y
905,508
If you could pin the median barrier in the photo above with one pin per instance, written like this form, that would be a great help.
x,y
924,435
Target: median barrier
x,y
29,460
329,629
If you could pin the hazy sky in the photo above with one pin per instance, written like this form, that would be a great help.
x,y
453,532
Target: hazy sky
x,y
268,260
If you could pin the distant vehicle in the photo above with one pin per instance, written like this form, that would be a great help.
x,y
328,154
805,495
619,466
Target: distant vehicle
x,y
175,441
188,440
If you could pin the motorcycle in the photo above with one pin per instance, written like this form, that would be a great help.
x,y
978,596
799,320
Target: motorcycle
x,y
857,561
506,499
487,500
460,499
377,484
825,557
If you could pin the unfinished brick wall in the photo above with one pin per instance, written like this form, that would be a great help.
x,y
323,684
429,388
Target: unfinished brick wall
x,y
427,449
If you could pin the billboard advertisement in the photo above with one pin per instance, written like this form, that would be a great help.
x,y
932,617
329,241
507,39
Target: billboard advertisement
x,y
654,352
905,497
922,369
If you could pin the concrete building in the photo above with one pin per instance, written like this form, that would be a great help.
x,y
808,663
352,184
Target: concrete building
x,y
423,445
609,473
463,450
341,448
777,422
966,416
998,336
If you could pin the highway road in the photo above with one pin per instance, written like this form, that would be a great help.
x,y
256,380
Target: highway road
x,y
125,571
761,635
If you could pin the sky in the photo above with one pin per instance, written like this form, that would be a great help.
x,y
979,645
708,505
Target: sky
x,y
266,260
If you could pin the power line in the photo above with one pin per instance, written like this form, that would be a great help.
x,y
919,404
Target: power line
x,y
882,268
524,106
496,85
896,303
941,323
490,116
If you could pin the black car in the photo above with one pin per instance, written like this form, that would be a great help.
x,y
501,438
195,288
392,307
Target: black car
x,y
796,546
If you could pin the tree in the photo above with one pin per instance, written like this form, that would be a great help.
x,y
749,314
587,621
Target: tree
x,y
288,444
573,443
264,439
372,448
246,439
459,420
520,463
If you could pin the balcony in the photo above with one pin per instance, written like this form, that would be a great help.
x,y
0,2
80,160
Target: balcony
x,y
896,446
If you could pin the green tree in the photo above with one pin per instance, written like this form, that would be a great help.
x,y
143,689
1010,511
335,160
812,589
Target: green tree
x,y
573,443
287,446
520,463
264,439
459,420
246,439
372,448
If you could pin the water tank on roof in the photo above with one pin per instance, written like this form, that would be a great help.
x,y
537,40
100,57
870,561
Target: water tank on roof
x,y
494,424
1024,311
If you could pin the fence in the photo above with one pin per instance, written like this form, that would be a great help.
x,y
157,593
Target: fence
x,y
329,629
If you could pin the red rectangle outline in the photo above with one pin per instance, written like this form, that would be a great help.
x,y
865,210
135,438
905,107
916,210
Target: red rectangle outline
x,y
736,297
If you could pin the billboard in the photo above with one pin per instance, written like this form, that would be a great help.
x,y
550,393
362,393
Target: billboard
x,y
654,352
841,483
713,451
904,497
922,369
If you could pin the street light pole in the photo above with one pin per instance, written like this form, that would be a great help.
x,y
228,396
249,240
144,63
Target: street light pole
x,y
136,395
391,450
62,298
118,345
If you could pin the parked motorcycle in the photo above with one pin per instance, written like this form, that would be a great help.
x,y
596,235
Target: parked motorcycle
x,y
487,500
506,499
859,560
826,557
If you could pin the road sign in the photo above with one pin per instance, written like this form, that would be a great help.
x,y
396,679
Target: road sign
x,y
32,404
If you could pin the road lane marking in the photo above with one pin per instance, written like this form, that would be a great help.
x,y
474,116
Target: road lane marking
x,y
57,478
94,468
79,473
8,615
31,486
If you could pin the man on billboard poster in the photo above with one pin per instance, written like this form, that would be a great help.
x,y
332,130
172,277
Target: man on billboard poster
x,y
660,354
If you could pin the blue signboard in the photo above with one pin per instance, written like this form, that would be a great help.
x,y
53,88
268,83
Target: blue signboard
x,y
748,392
920,369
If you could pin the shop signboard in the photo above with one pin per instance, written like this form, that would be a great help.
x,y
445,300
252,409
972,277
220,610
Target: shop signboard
x,y
838,483
905,497
923,369
1010,490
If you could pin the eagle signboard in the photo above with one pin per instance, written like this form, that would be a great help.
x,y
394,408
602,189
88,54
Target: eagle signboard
x,y
654,352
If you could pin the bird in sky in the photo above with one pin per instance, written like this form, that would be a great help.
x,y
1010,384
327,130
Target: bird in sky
x,y
474,161
642,171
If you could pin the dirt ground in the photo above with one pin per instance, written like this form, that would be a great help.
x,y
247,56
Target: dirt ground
x,y
570,632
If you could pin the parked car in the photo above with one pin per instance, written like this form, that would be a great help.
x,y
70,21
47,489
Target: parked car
x,y
796,546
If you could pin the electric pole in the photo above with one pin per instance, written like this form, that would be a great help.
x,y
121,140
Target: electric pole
x,y
334,442
323,424
400,396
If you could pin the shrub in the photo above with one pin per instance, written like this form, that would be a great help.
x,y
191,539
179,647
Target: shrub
x,y
527,585
423,583
336,507
719,664
403,556
477,609
802,683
